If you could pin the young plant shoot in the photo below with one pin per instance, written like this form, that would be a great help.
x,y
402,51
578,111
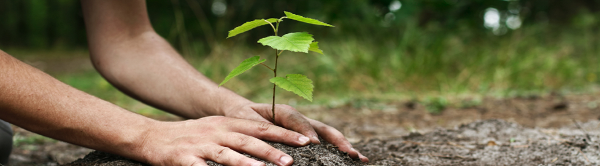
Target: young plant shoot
x,y
296,42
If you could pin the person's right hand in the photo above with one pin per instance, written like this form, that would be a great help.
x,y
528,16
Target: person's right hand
x,y
216,138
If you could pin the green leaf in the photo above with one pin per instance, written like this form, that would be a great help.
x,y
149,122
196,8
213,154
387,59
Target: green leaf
x,y
314,47
296,83
245,65
297,42
250,25
272,20
304,19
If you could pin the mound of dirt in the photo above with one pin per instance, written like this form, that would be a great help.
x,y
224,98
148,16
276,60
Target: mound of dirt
x,y
487,142
311,155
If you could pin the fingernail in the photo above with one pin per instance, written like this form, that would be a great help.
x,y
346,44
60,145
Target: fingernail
x,y
303,139
285,160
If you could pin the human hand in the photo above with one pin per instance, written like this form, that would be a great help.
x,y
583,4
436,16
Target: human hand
x,y
289,118
216,138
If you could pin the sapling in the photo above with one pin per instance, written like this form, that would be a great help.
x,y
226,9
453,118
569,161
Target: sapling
x,y
296,42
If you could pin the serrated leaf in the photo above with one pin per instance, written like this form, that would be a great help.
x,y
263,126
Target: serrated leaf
x,y
250,25
297,42
297,83
245,65
314,47
305,19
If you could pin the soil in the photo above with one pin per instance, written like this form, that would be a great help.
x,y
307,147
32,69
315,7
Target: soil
x,y
489,142
551,129
311,155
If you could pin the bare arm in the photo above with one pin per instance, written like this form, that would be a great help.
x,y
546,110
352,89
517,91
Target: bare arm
x,y
130,55
37,102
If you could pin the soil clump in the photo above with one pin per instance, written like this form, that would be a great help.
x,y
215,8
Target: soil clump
x,y
310,155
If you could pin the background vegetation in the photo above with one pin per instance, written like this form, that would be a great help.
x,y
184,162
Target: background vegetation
x,y
381,49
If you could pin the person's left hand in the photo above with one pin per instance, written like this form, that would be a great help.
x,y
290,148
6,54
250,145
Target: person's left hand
x,y
287,117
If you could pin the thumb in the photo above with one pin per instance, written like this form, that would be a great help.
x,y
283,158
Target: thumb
x,y
251,114
247,112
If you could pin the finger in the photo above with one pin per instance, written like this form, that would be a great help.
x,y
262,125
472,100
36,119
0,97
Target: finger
x,y
362,157
250,114
291,119
193,161
268,132
257,148
226,156
336,138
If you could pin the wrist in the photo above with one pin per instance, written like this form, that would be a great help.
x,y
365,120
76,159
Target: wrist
x,y
220,103
232,105
137,146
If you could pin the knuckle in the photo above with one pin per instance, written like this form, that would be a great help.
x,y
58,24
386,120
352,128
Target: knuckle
x,y
205,151
289,134
263,127
270,151
243,141
220,154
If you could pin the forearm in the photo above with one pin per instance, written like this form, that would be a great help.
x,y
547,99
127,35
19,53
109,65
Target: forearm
x,y
148,69
37,102
130,55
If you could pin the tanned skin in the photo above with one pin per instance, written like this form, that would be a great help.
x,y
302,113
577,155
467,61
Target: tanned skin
x,y
126,50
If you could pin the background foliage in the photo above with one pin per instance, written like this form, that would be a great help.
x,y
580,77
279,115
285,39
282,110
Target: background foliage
x,y
378,47
44,24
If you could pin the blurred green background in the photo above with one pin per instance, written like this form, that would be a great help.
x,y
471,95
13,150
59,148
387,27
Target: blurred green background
x,y
379,49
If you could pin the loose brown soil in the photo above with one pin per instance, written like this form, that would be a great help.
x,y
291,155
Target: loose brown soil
x,y
311,155
489,142
534,130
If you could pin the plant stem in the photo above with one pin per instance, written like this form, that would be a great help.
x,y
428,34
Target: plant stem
x,y
267,66
277,53
274,75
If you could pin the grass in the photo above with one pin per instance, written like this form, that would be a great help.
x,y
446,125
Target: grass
x,y
432,62
420,63
30,139
426,65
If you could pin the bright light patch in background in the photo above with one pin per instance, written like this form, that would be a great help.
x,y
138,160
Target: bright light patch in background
x,y
219,7
390,17
514,7
491,18
513,22
395,6
387,19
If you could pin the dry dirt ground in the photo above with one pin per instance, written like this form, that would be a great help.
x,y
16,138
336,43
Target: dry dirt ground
x,y
551,129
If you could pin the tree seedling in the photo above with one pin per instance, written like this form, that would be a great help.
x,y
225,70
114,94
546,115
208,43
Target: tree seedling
x,y
296,42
